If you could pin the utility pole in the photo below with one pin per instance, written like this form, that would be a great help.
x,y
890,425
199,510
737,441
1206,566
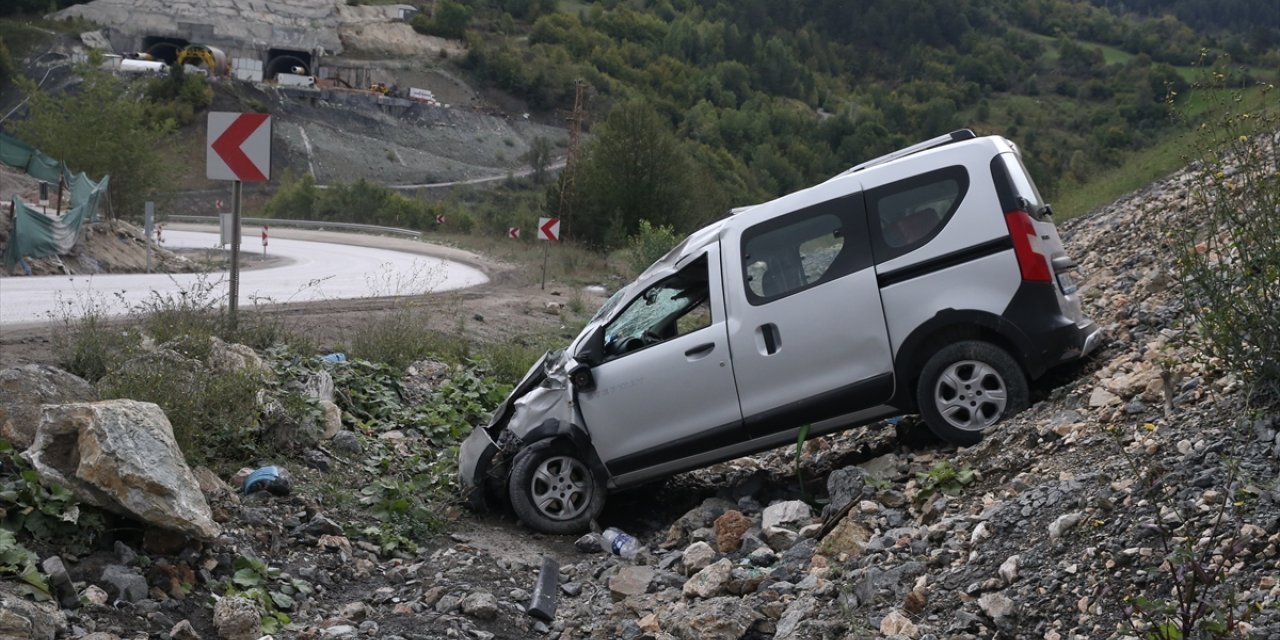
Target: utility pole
x,y
571,161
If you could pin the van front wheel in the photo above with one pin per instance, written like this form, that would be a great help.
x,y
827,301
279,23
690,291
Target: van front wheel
x,y
553,490
969,386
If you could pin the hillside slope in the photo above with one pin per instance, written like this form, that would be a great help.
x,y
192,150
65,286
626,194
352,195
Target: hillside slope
x,y
1062,523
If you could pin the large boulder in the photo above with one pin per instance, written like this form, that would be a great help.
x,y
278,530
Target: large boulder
x,y
723,618
24,389
120,455
22,618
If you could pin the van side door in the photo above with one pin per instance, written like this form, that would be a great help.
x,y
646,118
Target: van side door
x,y
664,390
806,327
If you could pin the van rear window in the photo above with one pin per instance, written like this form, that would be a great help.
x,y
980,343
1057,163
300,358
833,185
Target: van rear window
x,y
1020,181
908,213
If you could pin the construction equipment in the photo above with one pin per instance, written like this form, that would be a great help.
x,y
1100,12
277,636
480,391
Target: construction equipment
x,y
213,60
380,88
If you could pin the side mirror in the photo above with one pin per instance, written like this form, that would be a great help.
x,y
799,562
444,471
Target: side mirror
x,y
582,378
592,349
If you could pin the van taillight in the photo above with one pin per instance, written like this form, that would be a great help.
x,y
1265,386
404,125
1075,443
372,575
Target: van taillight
x,y
1034,265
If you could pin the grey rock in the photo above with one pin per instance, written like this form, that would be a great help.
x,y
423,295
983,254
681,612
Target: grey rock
x,y
845,486
22,392
796,612
232,357
60,582
481,604
791,514
236,618
124,583
184,631
125,554
448,604
1009,569
590,543
320,526
631,580
762,557
1064,523
122,458
997,606
697,556
721,618
346,442
22,618
709,582
339,631
571,589
885,467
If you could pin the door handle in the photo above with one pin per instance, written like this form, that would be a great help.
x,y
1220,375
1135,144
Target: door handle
x,y
700,351
772,339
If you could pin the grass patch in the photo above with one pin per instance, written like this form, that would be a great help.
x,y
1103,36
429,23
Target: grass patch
x,y
1144,166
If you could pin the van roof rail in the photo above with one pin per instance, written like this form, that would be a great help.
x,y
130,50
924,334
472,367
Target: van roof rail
x,y
954,136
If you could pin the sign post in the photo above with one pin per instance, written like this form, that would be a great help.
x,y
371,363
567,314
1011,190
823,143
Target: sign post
x,y
549,230
239,150
148,224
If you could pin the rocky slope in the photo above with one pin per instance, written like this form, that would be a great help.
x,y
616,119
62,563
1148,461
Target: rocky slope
x,y
1133,478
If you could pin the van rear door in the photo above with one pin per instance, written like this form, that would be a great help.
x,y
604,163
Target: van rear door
x,y
1028,216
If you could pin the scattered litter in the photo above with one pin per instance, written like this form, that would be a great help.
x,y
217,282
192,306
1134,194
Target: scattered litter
x,y
270,479
334,358
543,604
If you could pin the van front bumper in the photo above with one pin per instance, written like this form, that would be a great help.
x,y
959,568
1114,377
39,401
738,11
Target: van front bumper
x,y
474,459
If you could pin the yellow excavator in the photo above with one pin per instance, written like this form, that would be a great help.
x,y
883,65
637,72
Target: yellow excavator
x,y
380,88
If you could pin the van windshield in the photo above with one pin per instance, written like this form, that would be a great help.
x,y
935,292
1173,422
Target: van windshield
x,y
609,304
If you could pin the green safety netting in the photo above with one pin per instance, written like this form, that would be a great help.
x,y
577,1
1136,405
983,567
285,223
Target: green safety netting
x,y
34,233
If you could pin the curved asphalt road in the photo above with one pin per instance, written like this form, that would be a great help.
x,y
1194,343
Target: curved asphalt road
x,y
316,271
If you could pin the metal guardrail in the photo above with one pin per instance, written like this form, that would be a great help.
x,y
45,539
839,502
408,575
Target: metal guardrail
x,y
306,224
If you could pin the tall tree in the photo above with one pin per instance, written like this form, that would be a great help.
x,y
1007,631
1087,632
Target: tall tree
x,y
101,128
632,170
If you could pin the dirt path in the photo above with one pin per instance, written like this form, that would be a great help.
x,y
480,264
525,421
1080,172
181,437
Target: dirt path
x,y
509,305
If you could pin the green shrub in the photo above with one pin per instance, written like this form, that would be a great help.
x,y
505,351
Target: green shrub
x,y
400,337
214,414
7,68
649,244
1230,262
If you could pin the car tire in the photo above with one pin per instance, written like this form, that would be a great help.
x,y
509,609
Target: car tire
x,y
968,386
553,490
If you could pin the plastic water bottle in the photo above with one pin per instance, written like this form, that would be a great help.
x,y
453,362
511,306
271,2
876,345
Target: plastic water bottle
x,y
620,543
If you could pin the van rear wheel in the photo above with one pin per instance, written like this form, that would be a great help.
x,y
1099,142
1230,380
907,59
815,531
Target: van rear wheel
x,y
553,490
968,386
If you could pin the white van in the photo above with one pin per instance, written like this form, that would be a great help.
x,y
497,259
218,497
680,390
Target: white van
x,y
930,280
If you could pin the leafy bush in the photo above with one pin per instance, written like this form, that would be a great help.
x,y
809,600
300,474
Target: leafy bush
x,y
650,243
101,129
449,20
7,68
47,514
214,414
1230,262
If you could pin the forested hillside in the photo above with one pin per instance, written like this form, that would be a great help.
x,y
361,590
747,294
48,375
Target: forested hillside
x,y
752,99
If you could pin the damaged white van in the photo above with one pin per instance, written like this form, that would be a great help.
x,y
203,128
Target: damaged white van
x,y
930,280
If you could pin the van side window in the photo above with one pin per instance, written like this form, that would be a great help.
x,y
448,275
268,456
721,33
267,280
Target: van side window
x,y
804,248
907,214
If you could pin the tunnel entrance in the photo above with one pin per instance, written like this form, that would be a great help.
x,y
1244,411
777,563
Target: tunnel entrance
x,y
287,61
163,49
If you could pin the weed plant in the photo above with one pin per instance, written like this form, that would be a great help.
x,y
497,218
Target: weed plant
x,y
1230,263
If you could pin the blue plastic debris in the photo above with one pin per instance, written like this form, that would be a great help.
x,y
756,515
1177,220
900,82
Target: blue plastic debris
x,y
334,358
269,478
